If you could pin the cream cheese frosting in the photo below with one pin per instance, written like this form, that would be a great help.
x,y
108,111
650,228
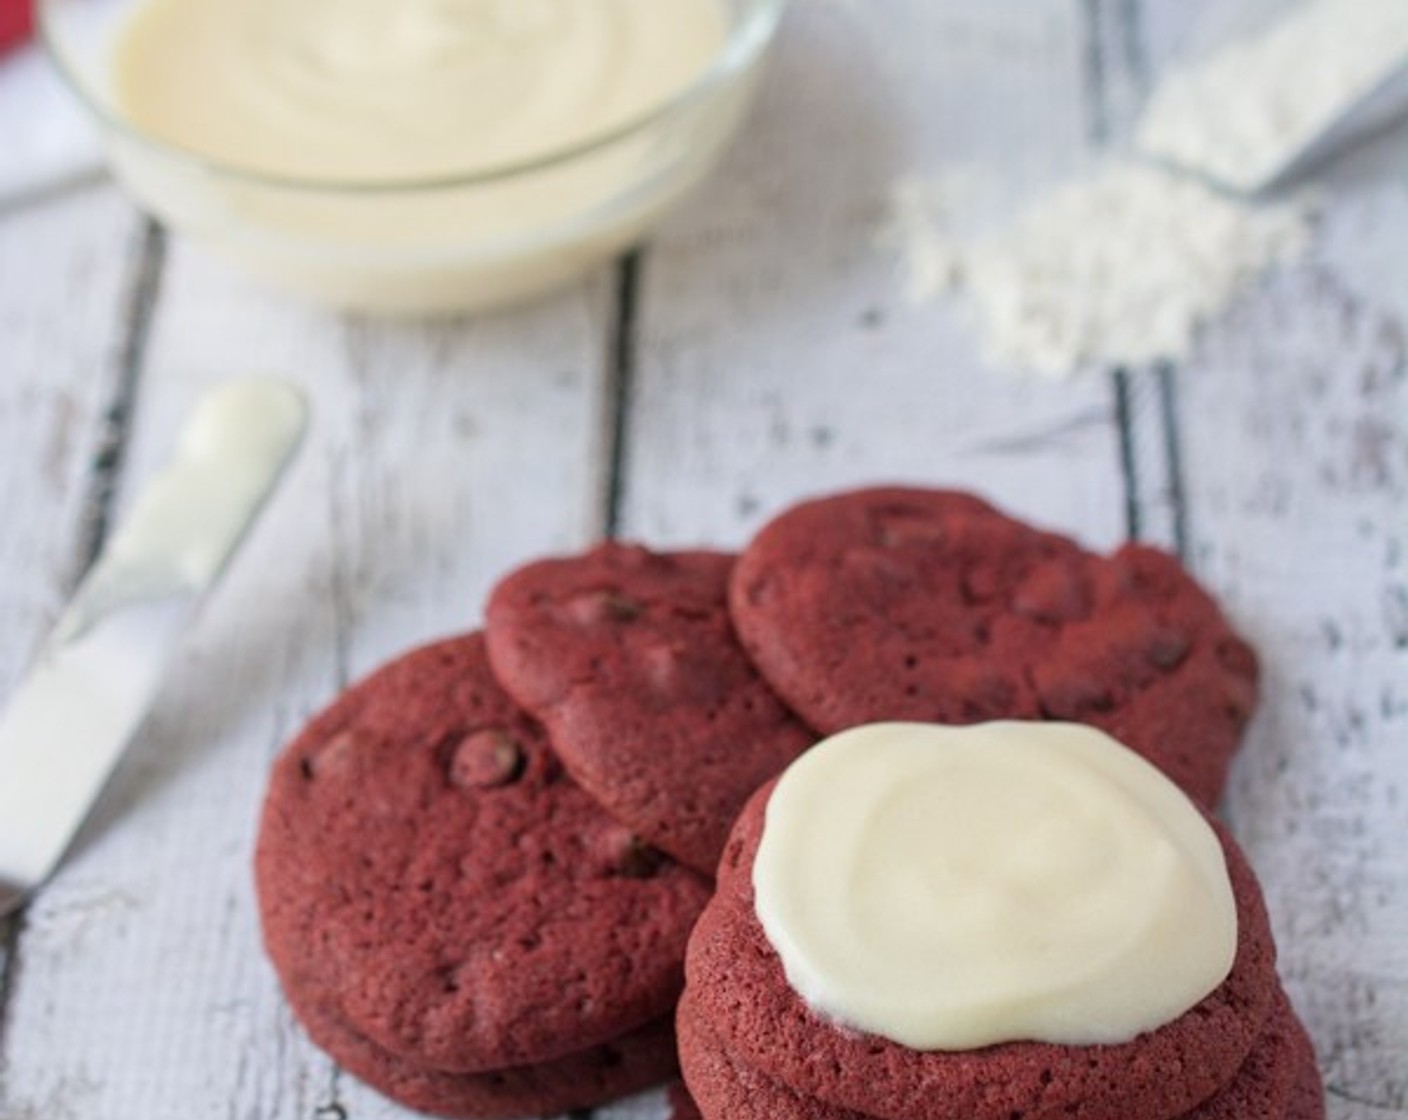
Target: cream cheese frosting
x,y
955,887
370,91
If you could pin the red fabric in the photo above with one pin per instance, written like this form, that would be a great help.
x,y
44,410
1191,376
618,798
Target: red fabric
x,y
16,21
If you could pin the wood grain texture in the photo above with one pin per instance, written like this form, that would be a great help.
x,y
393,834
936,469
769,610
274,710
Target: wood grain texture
x,y
776,353
439,456
1298,483
66,278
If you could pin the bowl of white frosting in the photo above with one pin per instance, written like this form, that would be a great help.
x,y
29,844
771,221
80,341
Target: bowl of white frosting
x,y
417,156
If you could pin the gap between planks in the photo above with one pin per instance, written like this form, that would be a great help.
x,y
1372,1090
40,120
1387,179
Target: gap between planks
x,y
620,388
1145,401
105,474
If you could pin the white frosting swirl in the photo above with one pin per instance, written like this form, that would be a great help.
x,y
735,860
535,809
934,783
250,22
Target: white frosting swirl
x,y
954,887
399,90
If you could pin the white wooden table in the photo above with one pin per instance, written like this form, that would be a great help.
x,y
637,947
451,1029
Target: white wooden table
x,y
757,350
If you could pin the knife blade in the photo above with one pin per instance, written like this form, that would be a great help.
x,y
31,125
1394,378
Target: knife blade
x,y
71,718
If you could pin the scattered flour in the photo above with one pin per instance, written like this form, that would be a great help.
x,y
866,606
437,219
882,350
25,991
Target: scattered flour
x,y
1123,268
1118,269
1241,115
927,219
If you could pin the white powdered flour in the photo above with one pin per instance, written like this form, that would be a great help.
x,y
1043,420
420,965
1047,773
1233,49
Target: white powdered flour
x,y
1119,269
1122,268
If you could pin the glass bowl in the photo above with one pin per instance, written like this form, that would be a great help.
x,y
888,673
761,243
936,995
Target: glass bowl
x,y
430,246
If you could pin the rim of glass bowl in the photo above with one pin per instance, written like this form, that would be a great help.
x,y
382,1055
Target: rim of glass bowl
x,y
746,41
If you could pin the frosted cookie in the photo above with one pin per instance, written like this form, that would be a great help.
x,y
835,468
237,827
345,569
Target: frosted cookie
x,y
910,604
424,862
738,984
630,661
1308,1093
1272,1084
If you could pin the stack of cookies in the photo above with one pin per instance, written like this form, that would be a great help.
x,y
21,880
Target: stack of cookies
x,y
453,919
478,869
753,1049
482,912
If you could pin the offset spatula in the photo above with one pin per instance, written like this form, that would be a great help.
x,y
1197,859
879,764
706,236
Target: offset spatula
x,y
72,716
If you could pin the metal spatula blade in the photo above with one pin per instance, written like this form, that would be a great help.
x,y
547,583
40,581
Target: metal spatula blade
x,y
1274,90
69,721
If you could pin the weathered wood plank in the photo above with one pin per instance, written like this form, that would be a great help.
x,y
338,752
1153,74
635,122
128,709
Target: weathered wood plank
x,y
66,271
1298,483
439,456
66,276
776,354
1294,422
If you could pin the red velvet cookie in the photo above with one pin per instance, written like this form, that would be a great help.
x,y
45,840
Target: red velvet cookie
x,y
727,1088
1266,1085
908,604
425,862
585,1079
737,983
682,1105
630,661
1308,1092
